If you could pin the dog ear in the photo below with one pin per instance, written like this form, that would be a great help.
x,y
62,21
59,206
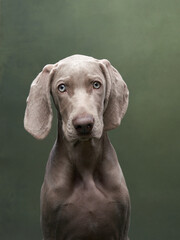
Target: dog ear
x,y
117,96
38,113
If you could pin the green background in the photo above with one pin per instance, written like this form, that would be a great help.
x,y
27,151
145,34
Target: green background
x,y
141,38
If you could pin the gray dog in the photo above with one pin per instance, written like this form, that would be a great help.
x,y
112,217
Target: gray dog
x,y
84,194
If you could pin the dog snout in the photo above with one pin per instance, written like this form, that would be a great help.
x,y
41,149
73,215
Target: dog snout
x,y
83,124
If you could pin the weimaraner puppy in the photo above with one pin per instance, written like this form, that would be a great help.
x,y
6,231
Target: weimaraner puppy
x,y
84,194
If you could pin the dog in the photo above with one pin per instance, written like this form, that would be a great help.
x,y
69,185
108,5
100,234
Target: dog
x,y
84,194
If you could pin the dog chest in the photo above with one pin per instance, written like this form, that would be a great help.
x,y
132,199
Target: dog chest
x,y
89,215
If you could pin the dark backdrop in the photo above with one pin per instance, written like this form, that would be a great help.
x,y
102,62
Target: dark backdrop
x,y
141,39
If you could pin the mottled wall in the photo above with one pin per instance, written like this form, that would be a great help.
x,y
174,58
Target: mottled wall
x,y
141,38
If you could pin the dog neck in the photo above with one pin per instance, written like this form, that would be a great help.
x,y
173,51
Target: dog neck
x,y
83,156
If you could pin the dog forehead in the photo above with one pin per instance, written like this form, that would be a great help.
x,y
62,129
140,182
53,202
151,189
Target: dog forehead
x,y
78,67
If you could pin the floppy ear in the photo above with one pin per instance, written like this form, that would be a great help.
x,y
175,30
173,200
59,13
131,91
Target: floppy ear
x,y
117,96
38,114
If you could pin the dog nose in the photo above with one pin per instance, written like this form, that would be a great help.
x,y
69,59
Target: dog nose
x,y
83,125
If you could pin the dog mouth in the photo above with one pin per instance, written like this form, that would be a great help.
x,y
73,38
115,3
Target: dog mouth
x,y
80,139
84,137
74,137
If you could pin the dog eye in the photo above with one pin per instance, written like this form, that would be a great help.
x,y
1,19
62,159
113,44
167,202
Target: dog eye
x,y
96,85
62,88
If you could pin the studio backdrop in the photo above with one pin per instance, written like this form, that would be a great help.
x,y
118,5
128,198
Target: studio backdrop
x,y
141,39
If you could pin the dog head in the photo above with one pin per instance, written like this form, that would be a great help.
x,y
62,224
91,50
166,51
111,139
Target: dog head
x,y
89,94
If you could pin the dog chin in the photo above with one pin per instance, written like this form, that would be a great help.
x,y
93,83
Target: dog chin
x,y
87,138
81,138
84,138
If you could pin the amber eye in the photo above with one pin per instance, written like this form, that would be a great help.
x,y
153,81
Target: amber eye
x,y
62,88
96,85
